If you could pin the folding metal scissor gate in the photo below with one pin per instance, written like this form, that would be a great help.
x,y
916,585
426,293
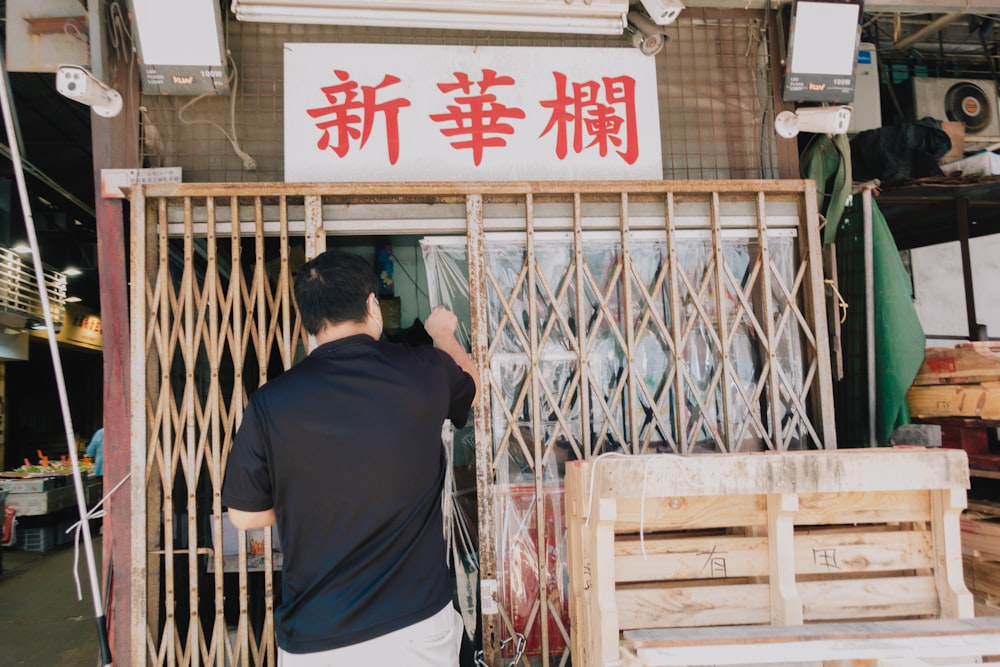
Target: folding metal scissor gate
x,y
628,317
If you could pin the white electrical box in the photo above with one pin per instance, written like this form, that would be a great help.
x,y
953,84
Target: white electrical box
x,y
867,106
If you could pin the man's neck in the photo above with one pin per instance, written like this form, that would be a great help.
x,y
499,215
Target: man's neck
x,y
332,332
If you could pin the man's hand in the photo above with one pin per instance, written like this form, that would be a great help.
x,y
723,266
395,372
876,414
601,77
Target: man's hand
x,y
440,326
441,323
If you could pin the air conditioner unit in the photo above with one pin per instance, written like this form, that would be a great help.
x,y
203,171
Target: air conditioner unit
x,y
867,105
970,101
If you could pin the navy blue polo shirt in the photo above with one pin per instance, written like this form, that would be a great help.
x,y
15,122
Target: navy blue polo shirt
x,y
346,447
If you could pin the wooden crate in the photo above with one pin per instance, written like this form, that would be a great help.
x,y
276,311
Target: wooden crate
x,y
731,542
981,400
969,363
981,556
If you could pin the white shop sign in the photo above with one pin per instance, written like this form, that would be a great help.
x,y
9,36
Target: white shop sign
x,y
113,180
377,112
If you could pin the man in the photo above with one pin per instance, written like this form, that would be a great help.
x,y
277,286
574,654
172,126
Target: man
x,y
343,452
95,450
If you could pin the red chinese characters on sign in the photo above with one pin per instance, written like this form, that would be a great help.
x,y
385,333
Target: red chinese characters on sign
x,y
583,115
477,117
602,114
90,323
340,120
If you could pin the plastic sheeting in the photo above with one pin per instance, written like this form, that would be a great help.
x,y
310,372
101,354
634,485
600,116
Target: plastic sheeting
x,y
576,405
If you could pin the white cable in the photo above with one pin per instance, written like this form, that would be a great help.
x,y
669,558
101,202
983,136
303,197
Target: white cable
x,y
249,163
29,225
95,513
647,458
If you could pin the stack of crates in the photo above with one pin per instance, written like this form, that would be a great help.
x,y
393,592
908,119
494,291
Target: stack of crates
x,y
39,502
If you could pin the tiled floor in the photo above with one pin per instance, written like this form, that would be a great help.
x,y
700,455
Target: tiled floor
x,y
42,623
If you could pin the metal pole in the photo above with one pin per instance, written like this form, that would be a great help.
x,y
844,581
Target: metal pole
x,y
962,220
29,224
866,199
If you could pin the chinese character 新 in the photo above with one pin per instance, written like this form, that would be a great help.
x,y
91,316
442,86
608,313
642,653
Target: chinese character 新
x,y
340,120
604,120
475,117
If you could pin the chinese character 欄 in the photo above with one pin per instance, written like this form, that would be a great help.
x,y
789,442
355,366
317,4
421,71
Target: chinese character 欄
x,y
603,120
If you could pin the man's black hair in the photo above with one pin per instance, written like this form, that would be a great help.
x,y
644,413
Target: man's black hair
x,y
334,287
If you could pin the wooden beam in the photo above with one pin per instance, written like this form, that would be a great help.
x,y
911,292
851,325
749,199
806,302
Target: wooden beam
x,y
803,472
786,605
55,25
768,634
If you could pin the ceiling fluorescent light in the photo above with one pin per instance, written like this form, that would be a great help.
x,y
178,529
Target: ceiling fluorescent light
x,y
601,17
73,299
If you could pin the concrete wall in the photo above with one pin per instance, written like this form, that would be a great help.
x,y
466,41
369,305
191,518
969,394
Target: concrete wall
x,y
940,293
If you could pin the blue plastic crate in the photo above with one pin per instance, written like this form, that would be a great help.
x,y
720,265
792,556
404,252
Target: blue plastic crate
x,y
36,539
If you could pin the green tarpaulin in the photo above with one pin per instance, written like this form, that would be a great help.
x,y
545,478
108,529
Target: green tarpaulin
x,y
899,336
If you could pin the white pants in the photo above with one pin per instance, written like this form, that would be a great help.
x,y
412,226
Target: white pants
x,y
434,642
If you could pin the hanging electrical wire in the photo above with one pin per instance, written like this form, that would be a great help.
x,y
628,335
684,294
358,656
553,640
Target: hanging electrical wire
x,y
249,162
29,224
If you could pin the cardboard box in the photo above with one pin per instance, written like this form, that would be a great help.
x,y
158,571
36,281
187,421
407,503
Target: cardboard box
x,y
956,132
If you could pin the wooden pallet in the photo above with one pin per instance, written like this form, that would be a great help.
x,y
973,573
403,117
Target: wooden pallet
x,y
737,542
963,381
981,556
981,401
969,363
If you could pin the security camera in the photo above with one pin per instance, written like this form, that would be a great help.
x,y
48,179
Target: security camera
x,y
663,12
649,45
646,35
78,84
818,120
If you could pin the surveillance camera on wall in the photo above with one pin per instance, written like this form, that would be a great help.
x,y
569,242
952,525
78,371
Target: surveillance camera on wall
x,y
663,12
818,120
78,84
646,35
649,45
